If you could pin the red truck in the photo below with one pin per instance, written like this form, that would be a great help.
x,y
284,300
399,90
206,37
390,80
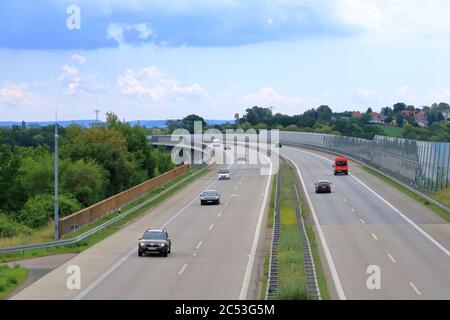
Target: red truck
x,y
340,166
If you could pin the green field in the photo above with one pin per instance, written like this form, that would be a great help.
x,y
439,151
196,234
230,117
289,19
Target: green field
x,y
391,131
10,279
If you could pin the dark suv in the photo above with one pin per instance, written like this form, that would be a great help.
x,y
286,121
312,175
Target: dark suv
x,y
154,241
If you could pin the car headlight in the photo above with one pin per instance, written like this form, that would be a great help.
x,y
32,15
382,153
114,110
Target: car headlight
x,y
142,244
162,244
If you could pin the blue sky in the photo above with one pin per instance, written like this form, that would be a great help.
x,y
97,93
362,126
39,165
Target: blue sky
x,y
158,59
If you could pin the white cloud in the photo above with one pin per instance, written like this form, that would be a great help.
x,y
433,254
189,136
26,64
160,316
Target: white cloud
x,y
442,95
368,97
73,82
68,72
151,82
78,58
116,31
268,96
17,94
365,14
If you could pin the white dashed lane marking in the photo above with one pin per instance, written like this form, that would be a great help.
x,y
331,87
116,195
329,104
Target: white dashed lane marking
x,y
182,269
392,258
415,289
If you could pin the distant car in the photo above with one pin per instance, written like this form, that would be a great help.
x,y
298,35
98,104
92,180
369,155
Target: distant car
x,y
323,186
226,147
155,241
224,174
241,158
210,197
340,165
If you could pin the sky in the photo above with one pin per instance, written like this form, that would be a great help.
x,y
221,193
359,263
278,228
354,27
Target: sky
x,y
165,59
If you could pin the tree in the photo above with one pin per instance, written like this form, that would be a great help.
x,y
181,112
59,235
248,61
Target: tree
x,y
85,180
38,211
257,115
107,148
399,107
189,122
324,114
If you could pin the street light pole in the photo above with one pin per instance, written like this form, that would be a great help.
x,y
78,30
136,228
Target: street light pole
x,y
56,213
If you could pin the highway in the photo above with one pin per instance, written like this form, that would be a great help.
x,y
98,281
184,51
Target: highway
x,y
215,252
366,222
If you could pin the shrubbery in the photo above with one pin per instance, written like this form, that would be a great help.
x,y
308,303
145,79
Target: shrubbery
x,y
10,228
39,210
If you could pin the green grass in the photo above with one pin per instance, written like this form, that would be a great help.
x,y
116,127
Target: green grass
x,y
391,131
272,202
321,280
444,196
265,277
10,279
291,272
97,237
269,225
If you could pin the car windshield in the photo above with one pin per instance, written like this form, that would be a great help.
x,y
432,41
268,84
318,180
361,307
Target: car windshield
x,y
154,235
224,171
323,183
210,194
341,163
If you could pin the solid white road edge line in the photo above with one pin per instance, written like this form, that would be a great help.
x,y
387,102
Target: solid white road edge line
x,y
251,260
334,274
415,226
104,275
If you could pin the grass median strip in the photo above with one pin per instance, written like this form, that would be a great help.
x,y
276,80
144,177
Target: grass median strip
x,y
443,196
321,280
97,237
265,277
10,279
291,266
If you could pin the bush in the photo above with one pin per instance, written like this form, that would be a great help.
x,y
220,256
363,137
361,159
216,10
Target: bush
x,y
10,228
38,211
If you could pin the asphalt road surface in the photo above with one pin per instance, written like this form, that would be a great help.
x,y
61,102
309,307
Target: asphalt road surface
x,y
213,248
368,226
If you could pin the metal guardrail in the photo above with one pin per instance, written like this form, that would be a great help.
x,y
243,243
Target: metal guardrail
x,y
310,268
272,282
100,227
410,188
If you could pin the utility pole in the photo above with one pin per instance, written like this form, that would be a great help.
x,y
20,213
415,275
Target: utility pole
x,y
96,115
271,109
56,213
